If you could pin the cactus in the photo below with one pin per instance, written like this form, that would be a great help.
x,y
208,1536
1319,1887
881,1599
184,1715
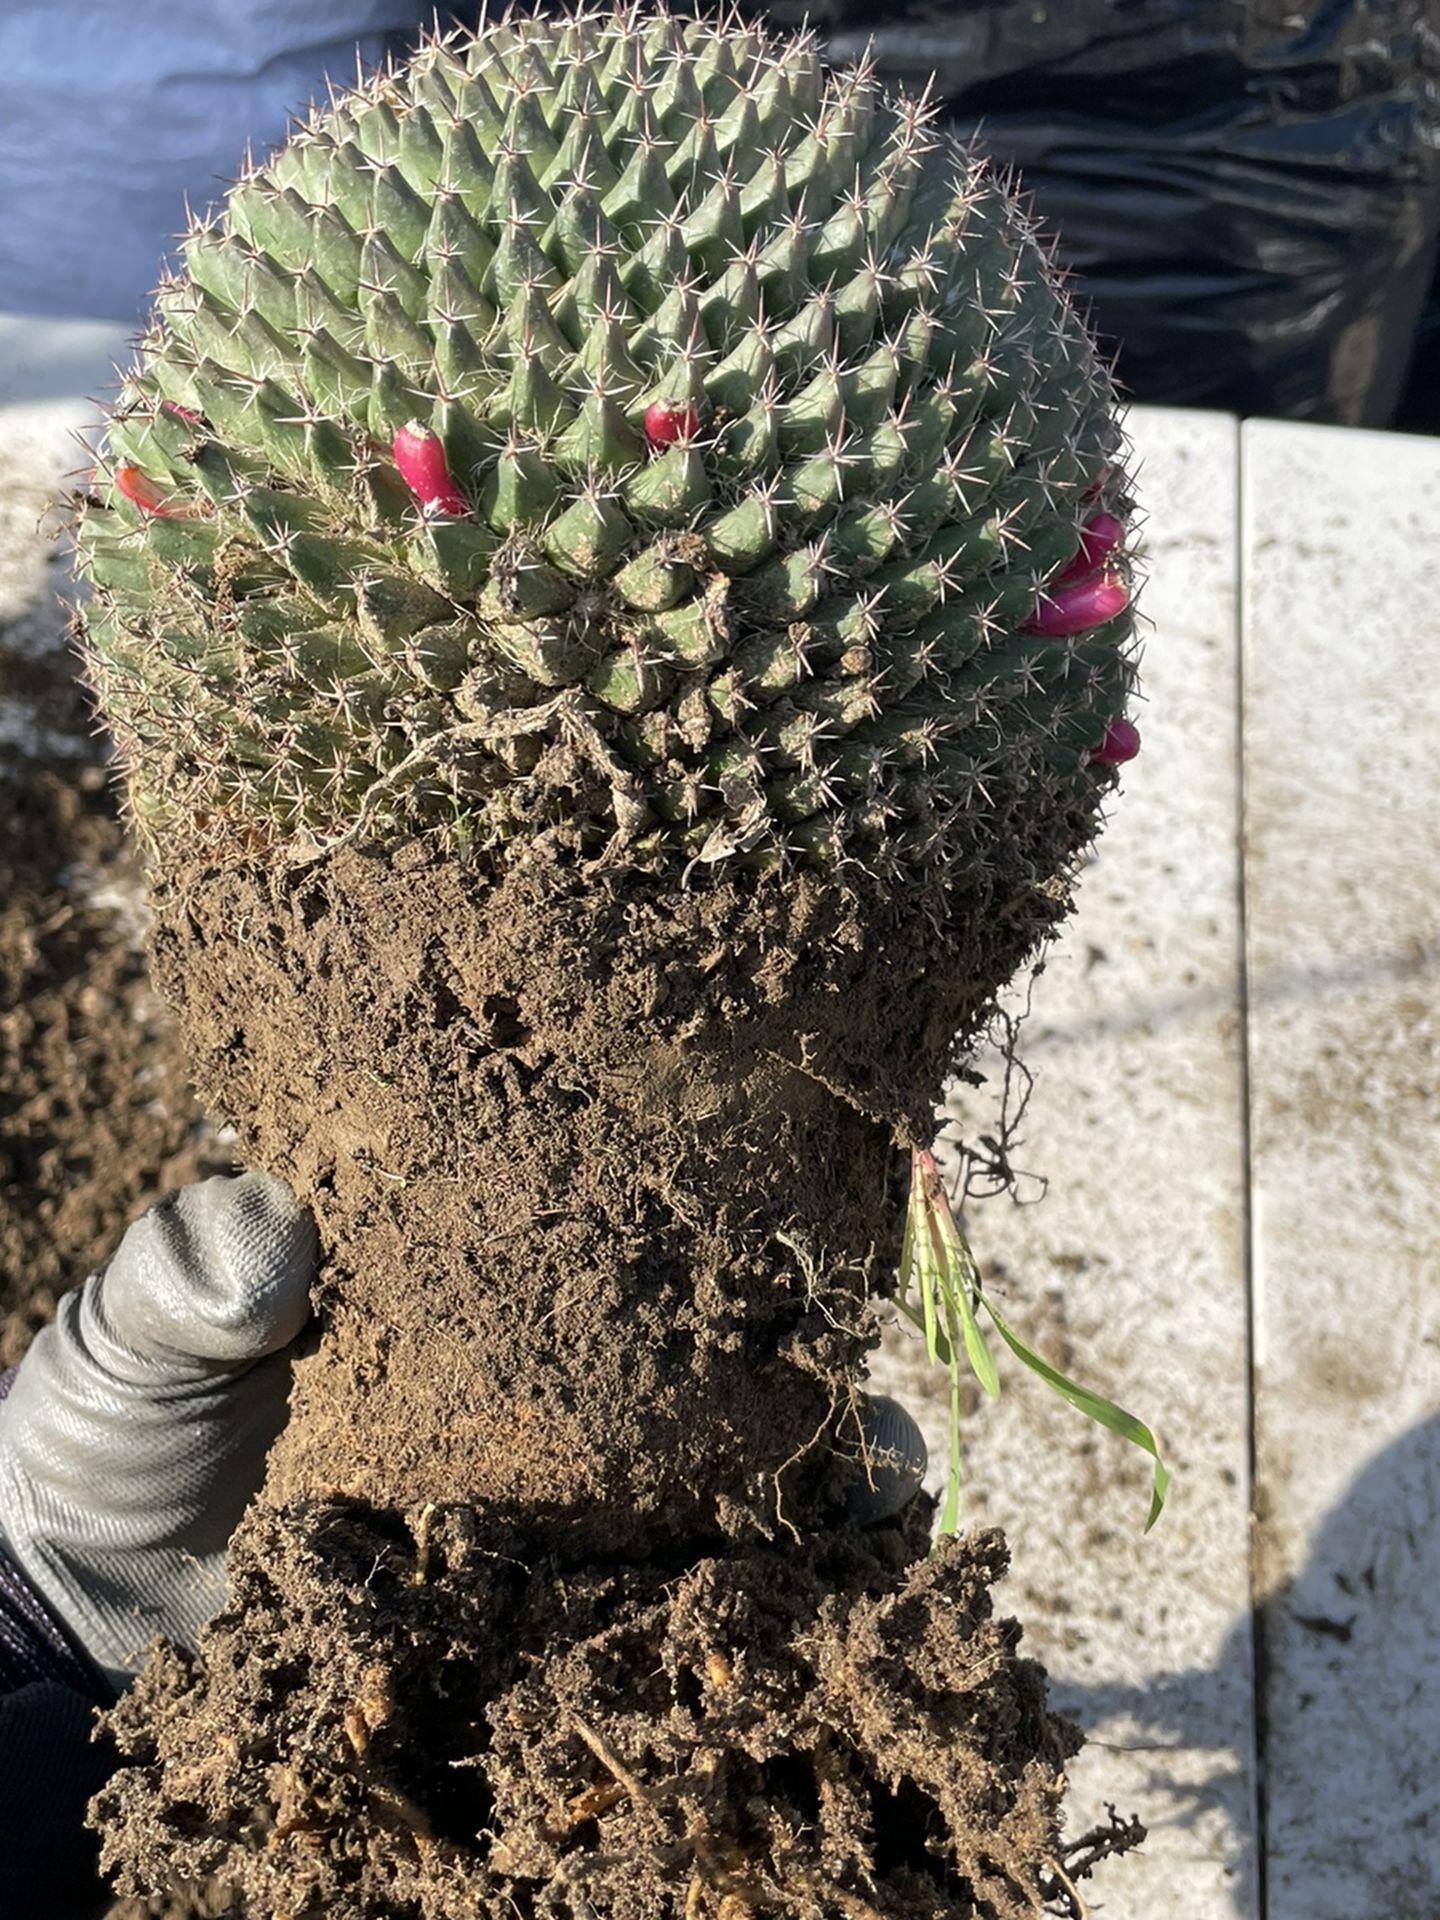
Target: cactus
x,y
626,385
610,588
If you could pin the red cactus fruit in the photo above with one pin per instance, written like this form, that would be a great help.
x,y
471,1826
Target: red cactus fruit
x,y
1080,605
141,491
419,455
1121,743
1099,537
665,424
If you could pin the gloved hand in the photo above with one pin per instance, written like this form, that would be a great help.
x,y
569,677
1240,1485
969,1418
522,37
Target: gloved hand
x,y
135,1432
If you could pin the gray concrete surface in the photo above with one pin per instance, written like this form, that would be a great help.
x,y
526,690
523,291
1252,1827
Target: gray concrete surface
x,y
1128,1267
1235,1108
1342,829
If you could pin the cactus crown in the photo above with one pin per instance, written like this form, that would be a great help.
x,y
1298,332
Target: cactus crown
x,y
618,427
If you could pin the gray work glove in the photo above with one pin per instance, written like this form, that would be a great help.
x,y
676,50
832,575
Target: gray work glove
x,y
136,1430
892,1463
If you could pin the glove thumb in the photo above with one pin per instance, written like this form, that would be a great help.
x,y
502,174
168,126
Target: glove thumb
x,y
219,1272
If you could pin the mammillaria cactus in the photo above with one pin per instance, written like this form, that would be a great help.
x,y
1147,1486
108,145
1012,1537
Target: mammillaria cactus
x,y
639,386
610,592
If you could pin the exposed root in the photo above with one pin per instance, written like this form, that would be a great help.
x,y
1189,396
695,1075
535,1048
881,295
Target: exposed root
x,y
622,1774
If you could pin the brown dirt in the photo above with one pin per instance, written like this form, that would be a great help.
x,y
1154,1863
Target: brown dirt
x,y
605,1172
96,1115
399,1718
96,1119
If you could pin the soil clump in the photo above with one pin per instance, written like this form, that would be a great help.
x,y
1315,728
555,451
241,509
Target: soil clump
x,y
604,1172
399,1717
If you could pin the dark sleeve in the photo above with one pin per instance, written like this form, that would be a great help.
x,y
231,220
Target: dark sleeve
x,y
49,1764
49,1768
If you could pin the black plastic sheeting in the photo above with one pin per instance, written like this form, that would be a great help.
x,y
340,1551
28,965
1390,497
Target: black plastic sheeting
x,y
1248,195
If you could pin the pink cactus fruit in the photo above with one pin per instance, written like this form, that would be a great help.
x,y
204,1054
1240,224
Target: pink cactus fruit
x,y
1078,606
1121,743
420,457
1099,537
141,491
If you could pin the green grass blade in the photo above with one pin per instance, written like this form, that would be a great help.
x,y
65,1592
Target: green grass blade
x,y
917,1320
1095,1406
929,1284
950,1512
977,1348
936,1256
907,1253
959,1283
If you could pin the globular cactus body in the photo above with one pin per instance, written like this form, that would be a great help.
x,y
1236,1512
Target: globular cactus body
x,y
630,388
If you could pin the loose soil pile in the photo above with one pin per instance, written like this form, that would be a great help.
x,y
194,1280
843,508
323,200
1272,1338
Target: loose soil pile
x,y
406,1719
97,1119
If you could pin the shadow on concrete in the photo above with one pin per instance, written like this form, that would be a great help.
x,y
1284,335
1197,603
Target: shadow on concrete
x,y
1343,1666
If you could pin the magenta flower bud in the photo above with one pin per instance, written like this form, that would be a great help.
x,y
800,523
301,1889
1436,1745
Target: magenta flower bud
x,y
420,457
1121,743
1080,605
1100,536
